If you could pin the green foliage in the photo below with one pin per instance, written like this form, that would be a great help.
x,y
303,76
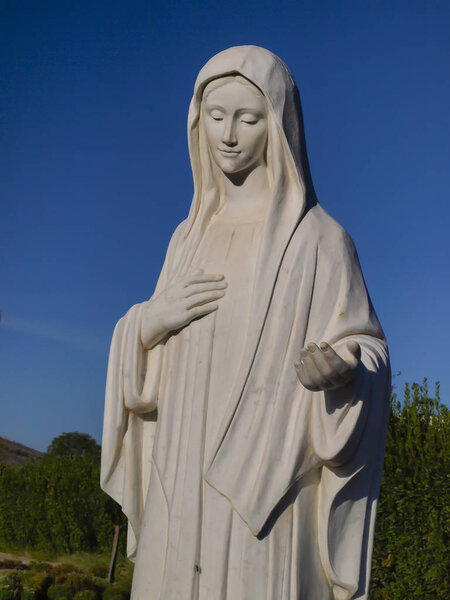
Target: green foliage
x,y
409,559
56,504
39,581
73,584
59,592
44,581
85,595
99,571
12,586
118,591
74,444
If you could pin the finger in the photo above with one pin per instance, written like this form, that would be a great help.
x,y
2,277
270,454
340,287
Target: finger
x,y
314,367
303,375
304,354
199,299
198,288
196,273
203,310
202,277
322,365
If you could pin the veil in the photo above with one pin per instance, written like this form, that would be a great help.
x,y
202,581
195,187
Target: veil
x,y
288,168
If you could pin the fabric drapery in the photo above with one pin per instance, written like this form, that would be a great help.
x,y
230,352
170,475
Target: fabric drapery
x,y
276,452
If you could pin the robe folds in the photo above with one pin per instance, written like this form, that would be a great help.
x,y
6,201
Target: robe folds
x,y
296,473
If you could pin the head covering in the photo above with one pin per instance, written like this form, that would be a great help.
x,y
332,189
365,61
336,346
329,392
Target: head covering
x,y
292,188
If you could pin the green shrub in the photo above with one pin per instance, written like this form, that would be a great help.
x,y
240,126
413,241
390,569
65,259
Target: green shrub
x,y
56,505
409,559
70,585
11,586
75,581
99,571
59,592
118,591
38,581
62,570
113,594
85,595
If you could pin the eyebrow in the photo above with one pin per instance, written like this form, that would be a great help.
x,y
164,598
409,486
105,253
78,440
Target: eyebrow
x,y
240,111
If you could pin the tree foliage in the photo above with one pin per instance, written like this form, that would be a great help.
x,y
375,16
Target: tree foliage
x,y
56,504
410,558
74,444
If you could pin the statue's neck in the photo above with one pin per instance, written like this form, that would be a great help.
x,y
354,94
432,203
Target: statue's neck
x,y
247,194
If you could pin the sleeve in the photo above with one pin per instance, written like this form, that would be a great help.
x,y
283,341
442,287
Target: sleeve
x,y
351,476
348,429
341,311
129,424
127,440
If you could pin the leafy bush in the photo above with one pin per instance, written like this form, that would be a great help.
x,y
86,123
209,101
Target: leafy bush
x,y
12,586
59,592
99,571
56,504
38,581
85,595
63,582
413,513
118,591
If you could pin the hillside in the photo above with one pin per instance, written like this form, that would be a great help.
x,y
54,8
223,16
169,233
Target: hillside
x,y
13,453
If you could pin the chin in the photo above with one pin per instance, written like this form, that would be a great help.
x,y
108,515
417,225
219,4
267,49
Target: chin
x,y
230,167
229,170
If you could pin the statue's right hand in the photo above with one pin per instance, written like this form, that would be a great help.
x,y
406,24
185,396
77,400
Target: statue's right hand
x,y
188,298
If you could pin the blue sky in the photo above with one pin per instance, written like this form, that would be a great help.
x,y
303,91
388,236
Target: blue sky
x,y
95,173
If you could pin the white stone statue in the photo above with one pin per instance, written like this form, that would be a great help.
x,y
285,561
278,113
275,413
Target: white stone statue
x,y
247,400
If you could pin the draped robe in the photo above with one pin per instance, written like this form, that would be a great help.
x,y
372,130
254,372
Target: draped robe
x,y
294,474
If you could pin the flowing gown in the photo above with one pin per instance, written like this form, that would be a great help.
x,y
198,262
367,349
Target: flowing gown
x,y
268,491
205,551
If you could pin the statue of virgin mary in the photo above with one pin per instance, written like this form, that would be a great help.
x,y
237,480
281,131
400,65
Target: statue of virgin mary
x,y
247,399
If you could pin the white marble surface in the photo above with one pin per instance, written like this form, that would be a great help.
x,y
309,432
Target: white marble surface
x,y
246,400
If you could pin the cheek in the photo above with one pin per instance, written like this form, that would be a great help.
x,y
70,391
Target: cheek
x,y
256,141
212,133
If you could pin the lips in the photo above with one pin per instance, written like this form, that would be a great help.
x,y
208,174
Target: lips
x,y
229,153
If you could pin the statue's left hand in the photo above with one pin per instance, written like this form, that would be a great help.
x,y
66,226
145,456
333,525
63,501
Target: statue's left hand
x,y
323,368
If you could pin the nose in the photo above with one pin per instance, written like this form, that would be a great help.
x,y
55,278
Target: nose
x,y
229,134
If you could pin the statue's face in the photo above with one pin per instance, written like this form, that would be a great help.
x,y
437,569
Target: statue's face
x,y
236,126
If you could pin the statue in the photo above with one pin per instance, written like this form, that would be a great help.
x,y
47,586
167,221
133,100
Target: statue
x,y
247,399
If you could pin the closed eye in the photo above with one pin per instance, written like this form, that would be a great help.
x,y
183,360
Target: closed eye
x,y
250,118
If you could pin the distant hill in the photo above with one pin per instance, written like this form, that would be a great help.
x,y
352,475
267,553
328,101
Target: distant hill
x,y
13,453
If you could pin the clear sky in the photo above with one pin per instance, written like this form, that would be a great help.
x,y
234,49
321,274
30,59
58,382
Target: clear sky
x,y
95,172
